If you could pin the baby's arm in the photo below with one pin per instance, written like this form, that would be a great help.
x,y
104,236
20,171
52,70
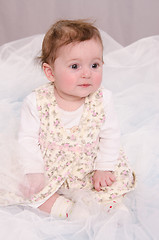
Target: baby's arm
x,y
31,159
109,146
103,179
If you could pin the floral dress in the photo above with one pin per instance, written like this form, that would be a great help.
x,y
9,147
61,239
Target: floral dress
x,y
69,156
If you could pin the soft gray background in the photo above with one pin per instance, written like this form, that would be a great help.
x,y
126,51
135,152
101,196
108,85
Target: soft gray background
x,y
125,20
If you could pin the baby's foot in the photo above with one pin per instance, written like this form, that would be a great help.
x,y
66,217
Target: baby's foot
x,y
62,208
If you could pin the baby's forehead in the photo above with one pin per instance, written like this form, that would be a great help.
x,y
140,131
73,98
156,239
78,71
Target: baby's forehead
x,y
91,47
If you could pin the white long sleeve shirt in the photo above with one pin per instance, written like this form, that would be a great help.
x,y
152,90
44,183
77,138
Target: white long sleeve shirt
x,y
30,153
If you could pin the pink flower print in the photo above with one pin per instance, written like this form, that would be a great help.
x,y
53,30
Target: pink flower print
x,y
100,94
73,137
59,178
88,153
83,183
66,145
56,122
103,119
67,174
68,163
113,195
75,149
45,92
125,172
59,158
94,114
88,145
82,170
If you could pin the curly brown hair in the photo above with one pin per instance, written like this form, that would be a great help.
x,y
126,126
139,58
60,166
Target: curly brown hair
x,y
64,32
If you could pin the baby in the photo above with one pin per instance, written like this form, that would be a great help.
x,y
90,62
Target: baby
x,y
69,135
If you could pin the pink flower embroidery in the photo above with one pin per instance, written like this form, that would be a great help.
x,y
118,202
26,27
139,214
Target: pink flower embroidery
x,y
59,178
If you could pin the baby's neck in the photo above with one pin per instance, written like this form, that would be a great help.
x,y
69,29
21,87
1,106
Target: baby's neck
x,y
68,104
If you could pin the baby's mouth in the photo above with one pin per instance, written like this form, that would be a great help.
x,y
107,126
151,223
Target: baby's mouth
x,y
85,85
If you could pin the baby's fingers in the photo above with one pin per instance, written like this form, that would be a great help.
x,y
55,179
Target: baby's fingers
x,y
97,185
104,183
110,179
109,182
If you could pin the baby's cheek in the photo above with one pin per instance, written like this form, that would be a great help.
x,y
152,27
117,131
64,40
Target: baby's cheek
x,y
98,79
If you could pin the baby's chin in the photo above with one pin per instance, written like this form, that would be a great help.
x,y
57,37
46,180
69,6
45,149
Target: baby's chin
x,y
86,91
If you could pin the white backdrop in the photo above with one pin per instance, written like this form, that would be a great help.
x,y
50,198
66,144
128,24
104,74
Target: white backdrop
x,y
125,20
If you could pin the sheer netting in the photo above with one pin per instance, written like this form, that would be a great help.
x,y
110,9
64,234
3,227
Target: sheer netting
x,y
131,73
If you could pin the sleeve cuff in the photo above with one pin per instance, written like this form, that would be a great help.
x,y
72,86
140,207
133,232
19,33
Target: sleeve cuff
x,y
103,166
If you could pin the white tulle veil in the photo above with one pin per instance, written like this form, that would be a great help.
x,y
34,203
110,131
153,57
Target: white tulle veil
x,y
132,74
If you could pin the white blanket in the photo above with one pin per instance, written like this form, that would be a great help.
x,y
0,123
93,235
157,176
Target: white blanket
x,y
132,74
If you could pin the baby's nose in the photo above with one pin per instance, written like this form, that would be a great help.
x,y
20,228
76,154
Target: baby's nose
x,y
86,73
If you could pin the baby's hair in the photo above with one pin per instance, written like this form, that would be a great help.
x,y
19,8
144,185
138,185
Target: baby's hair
x,y
64,32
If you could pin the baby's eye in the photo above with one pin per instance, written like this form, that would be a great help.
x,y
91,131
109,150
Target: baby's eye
x,y
74,66
95,65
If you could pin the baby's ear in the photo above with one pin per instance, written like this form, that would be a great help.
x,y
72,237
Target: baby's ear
x,y
48,72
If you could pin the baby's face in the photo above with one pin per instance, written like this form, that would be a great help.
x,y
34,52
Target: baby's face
x,y
77,69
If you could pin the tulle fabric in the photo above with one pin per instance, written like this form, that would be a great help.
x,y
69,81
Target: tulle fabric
x,y
132,74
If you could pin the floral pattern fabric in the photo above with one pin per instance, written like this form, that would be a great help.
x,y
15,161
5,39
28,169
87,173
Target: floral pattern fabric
x,y
69,155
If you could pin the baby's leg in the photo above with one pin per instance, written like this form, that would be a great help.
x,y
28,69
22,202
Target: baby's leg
x,y
57,206
47,206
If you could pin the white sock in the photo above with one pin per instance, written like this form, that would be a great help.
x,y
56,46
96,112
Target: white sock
x,y
62,207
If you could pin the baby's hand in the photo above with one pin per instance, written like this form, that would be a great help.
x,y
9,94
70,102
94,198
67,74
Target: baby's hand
x,y
103,179
33,183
